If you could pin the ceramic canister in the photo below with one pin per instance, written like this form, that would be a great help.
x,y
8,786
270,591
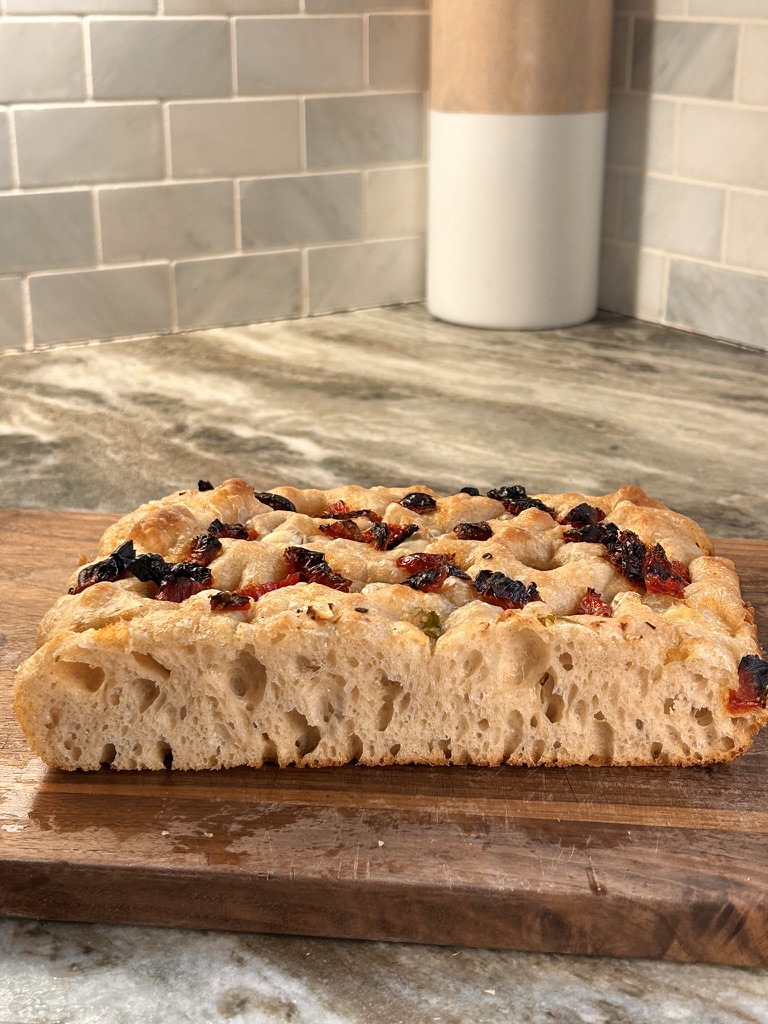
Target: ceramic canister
x,y
518,115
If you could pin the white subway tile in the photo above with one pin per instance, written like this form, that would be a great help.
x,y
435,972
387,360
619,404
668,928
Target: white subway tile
x,y
81,6
724,144
655,7
397,201
717,301
157,58
167,221
641,132
631,280
674,216
70,145
6,165
231,6
276,56
46,230
92,304
242,138
398,51
365,274
11,313
361,6
301,210
752,86
746,242
41,60
729,8
238,289
684,58
364,130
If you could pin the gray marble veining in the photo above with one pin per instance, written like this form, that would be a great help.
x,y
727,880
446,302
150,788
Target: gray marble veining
x,y
376,396
393,396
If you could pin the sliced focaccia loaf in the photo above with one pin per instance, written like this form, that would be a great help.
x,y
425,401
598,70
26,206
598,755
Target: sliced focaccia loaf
x,y
224,627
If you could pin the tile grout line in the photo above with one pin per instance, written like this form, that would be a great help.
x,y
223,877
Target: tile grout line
x,y
26,305
233,56
165,119
97,231
737,69
88,59
730,268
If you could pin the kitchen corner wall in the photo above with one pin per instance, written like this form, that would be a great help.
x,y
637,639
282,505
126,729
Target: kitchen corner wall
x,y
211,162
207,162
685,222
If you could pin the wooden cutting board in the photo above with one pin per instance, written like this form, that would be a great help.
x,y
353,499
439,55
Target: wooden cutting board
x,y
652,862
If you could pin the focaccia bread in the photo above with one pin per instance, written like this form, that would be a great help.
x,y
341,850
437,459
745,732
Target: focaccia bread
x,y
224,627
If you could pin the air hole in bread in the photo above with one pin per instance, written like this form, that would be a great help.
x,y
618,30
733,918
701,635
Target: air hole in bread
x,y
703,716
108,754
165,754
391,689
308,735
669,705
88,678
566,661
114,695
304,664
445,746
151,666
146,692
728,743
472,663
248,679
514,736
604,740
394,749
269,750
355,747
639,724
536,751
555,708
183,712
483,725
656,751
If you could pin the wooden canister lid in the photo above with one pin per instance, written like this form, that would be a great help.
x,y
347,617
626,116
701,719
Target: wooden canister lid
x,y
520,56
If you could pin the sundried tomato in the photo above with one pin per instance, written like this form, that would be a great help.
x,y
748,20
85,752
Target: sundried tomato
x,y
515,500
108,570
593,604
232,531
204,549
257,590
659,575
229,601
385,536
593,533
627,555
424,561
341,510
176,581
583,515
204,485
418,501
429,580
275,501
344,529
473,491
312,567
473,531
753,686
496,588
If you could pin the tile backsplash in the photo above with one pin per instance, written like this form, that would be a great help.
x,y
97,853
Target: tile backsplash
x,y
685,228
173,164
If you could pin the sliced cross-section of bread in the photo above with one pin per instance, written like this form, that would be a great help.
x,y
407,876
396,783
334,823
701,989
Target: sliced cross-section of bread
x,y
387,626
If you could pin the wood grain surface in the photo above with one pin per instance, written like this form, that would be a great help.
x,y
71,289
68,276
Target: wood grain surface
x,y
654,862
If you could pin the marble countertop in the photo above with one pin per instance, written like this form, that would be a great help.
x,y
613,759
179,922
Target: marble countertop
x,y
376,396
